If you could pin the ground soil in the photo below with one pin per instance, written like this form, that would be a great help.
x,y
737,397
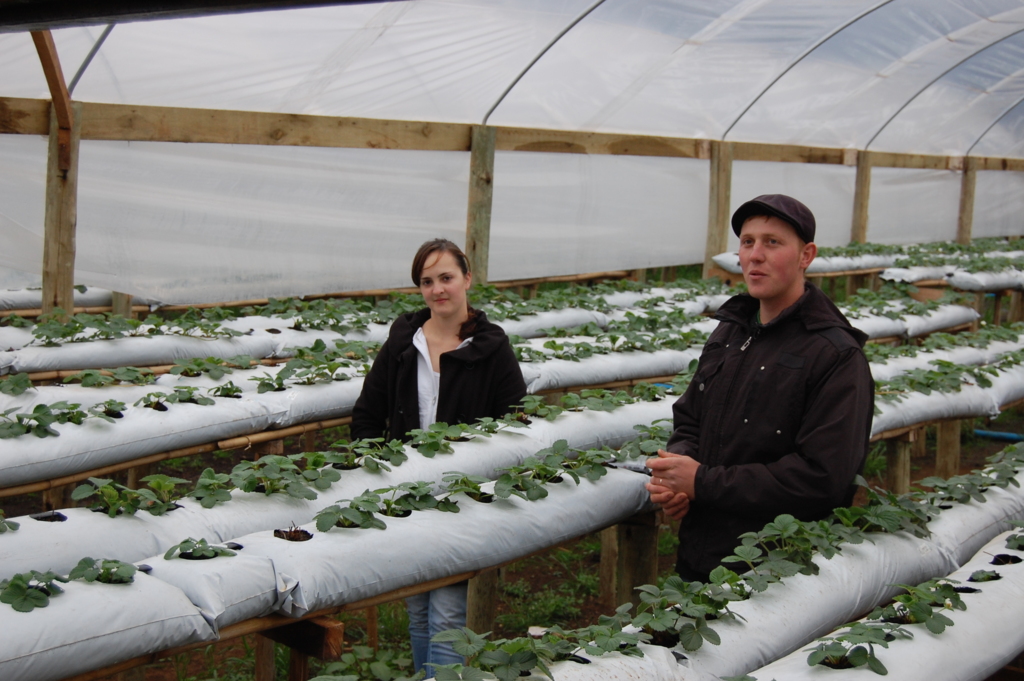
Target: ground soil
x,y
567,569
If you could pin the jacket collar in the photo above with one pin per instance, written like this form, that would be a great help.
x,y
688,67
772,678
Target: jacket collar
x,y
487,338
813,309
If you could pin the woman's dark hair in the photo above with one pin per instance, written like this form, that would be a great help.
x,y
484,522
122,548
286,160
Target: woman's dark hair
x,y
439,246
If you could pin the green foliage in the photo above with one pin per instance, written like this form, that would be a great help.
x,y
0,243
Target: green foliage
x,y
27,591
856,647
362,663
110,497
212,488
185,394
214,366
104,571
413,496
359,513
373,454
57,327
160,494
15,384
920,605
7,525
457,482
40,420
228,389
275,475
984,576
197,549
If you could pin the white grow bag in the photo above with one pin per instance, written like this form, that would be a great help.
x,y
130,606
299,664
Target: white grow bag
x,y
95,625
226,589
943,317
987,281
916,408
983,638
331,569
530,326
910,275
964,356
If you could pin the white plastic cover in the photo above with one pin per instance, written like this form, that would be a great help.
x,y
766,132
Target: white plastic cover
x,y
984,637
94,625
913,206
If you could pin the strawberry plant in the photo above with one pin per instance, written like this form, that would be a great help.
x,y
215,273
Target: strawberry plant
x,y
467,484
15,384
856,647
359,513
40,419
197,549
192,323
536,405
212,488
214,366
413,496
7,525
108,410
920,605
437,437
111,498
267,383
160,495
104,571
272,475
1015,542
373,454
27,591
317,473
185,394
228,389
364,662
984,576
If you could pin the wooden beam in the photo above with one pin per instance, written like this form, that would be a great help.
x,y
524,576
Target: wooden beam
x,y
60,217
54,77
886,159
481,192
861,198
898,454
629,558
718,203
574,142
319,637
24,116
787,153
965,221
482,601
170,124
995,163
947,449
266,666
121,303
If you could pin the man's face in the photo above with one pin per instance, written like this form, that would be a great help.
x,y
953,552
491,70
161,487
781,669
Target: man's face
x,y
773,259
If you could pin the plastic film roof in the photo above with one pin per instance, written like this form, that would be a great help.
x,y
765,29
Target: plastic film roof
x,y
935,76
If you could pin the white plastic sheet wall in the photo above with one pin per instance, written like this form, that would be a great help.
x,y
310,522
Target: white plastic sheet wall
x,y
826,189
22,201
206,223
573,213
913,206
997,204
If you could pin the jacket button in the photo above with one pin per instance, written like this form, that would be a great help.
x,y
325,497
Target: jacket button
x,y
762,368
778,432
744,420
701,387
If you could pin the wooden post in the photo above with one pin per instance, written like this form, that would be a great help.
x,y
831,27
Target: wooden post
x,y
266,667
136,474
997,308
372,627
629,558
298,666
947,449
965,222
1016,307
121,303
481,192
718,203
58,497
60,219
861,198
482,601
309,441
897,455
272,447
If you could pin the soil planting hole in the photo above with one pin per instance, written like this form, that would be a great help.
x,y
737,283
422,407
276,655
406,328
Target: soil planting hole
x,y
1005,559
49,517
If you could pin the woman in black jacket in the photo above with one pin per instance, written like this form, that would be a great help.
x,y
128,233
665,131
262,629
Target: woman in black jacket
x,y
444,363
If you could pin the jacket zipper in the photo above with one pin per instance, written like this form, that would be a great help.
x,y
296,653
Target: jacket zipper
x,y
746,344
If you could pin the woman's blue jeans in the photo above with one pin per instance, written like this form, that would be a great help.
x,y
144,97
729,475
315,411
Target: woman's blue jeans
x,y
429,614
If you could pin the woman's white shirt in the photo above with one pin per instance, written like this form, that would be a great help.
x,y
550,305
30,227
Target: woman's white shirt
x,y
428,381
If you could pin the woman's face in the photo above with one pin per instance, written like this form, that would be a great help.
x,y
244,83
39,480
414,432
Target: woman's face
x,y
443,285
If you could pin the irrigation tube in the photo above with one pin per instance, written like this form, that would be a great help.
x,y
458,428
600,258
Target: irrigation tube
x,y
996,435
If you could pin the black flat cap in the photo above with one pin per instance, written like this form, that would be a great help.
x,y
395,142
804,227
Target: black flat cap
x,y
786,208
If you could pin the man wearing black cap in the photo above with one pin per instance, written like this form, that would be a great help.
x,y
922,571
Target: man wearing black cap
x,y
778,415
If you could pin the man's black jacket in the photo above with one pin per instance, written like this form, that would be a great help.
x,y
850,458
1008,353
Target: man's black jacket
x,y
778,415
481,379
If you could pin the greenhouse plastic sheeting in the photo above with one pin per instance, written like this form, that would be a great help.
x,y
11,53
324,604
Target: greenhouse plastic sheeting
x,y
147,351
986,281
140,432
226,589
983,638
94,625
61,545
331,569
917,408
960,531
657,664
787,615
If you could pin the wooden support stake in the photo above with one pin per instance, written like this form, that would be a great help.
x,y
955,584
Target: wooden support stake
x,y
57,497
629,558
319,637
266,666
373,627
309,441
482,601
719,196
136,474
1016,307
897,455
481,192
861,199
997,308
965,222
60,217
947,449
273,447
121,303
298,666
